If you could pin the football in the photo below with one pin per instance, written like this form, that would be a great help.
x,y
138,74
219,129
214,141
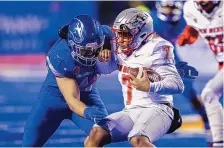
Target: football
x,y
152,75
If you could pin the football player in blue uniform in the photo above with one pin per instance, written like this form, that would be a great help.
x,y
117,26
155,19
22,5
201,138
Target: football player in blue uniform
x,y
168,22
68,91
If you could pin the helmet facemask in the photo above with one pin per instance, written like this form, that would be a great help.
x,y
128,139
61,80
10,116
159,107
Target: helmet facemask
x,y
123,38
87,55
85,39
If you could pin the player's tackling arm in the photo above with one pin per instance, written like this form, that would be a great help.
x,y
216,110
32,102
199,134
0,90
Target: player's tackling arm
x,y
107,61
62,66
70,90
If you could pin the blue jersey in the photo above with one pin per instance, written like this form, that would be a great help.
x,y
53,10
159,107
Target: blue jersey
x,y
167,30
61,63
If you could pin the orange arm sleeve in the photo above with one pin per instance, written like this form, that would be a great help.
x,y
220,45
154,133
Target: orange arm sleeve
x,y
189,36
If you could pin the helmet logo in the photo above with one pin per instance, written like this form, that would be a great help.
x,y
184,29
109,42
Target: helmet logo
x,y
123,27
78,32
138,19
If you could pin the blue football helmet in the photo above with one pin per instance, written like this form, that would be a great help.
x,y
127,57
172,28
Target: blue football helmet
x,y
169,10
86,39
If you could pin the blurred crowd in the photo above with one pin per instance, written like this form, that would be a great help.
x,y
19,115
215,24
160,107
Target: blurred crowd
x,y
27,30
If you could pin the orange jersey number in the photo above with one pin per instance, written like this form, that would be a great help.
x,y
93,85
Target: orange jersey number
x,y
126,81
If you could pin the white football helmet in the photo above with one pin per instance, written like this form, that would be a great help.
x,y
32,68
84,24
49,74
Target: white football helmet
x,y
207,8
136,24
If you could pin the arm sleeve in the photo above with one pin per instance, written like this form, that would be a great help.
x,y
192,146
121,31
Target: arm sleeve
x,y
171,82
61,66
108,36
187,14
164,65
190,34
108,67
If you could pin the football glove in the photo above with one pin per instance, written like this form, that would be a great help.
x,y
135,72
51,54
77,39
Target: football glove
x,y
92,113
186,71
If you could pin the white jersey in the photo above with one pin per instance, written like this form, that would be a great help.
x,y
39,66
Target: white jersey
x,y
156,54
210,28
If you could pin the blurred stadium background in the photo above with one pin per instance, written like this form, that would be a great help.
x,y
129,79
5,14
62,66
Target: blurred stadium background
x,y
27,31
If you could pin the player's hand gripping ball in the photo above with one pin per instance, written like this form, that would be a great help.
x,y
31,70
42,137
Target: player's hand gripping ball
x,y
141,78
104,55
151,74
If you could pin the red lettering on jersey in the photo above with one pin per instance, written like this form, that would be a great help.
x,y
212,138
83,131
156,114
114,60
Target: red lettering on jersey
x,y
203,30
211,30
126,81
217,29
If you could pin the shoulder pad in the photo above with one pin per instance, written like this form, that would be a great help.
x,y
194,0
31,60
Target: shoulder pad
x,y
61,63
163,53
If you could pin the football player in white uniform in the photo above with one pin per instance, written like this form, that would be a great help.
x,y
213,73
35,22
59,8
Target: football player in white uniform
x,y
148,77
205,18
